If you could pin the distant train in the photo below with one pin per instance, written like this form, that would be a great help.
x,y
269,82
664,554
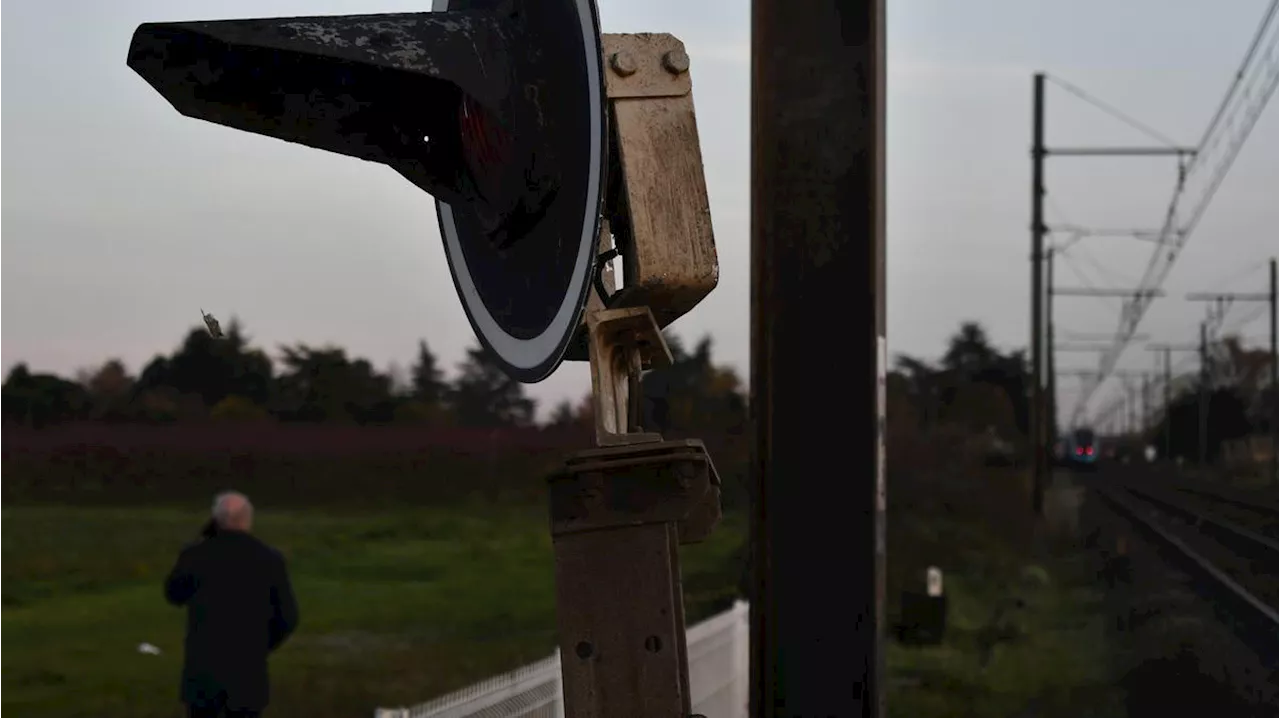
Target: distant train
x,y
1080,449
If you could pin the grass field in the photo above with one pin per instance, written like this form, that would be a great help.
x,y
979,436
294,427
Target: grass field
x,y
442,577
1026,634
1044,656
398,606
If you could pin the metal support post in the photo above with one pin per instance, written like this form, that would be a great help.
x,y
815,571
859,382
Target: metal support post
x,y
1133,408
1168,403
1050,376
1037,418
1203,433
1146,407
817,335
1275,385
1220,303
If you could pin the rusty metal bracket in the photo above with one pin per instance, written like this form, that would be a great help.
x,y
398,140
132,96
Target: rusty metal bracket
x,y
624,343
645,65
657,215
670,481
659,210
618,515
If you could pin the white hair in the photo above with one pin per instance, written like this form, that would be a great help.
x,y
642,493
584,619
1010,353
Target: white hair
x,y
225,512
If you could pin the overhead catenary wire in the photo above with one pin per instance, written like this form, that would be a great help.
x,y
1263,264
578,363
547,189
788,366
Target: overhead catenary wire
x,y
1075,236
1108,304
1256,313
1251,89
1084,255
1183,369
1258,35
1071,265
1113,111
1236,118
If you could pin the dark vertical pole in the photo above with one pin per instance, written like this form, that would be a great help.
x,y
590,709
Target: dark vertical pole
x,y
1037,421
1133,409
1051,371
1129,408
1126,400
817,334
1126,409
1146,407
1275,385
1168,404
1204,393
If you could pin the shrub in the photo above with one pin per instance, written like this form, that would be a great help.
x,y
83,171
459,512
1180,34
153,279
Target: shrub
x,y
236,409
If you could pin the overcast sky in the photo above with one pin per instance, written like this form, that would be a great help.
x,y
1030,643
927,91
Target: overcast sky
x,y
121,218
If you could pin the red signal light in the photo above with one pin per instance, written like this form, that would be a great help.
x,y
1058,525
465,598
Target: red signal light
x,y
1089,451
1079,451
485,144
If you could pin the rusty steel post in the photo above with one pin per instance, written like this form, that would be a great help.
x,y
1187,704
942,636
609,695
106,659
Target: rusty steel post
x,y
817,358
618,516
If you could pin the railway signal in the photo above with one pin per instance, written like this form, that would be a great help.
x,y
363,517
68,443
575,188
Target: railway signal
x,y
496,109
504,111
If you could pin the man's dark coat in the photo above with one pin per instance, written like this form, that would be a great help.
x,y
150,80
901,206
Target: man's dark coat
x,y
240,607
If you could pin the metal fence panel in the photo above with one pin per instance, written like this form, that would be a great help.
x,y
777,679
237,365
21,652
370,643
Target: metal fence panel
x,y
717,678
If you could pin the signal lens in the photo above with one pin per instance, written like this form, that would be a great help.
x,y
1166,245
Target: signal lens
x,y
1079,451
485,144
1089,451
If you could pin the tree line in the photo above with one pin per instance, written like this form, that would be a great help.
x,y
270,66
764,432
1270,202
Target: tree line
x,y
973,388
1235,393
228,379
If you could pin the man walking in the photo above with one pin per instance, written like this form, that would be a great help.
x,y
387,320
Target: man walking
x,y
240,608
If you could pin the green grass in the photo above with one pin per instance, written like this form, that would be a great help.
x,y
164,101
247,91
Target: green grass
x,y
398,606
1046,653
401,605
1048,657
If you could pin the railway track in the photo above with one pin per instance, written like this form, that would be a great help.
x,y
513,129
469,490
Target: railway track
x,y
1226,544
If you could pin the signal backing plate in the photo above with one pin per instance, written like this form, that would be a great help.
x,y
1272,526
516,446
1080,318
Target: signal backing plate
x,y
526,302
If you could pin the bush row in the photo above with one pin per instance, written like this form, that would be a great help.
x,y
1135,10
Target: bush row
x,y
298,465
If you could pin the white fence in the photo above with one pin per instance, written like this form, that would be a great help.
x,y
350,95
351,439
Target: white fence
x,y
717,678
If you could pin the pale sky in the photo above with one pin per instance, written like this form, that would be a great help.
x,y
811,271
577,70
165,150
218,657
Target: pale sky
x,y
122,219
